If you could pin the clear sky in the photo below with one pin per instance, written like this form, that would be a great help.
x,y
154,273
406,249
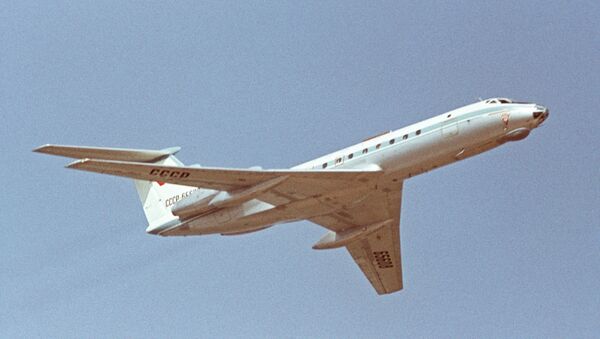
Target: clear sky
x,y
506,244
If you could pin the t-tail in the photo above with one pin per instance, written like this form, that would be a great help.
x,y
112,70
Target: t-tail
x,y
157,197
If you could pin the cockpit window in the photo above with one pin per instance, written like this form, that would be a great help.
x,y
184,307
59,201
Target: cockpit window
x,y
498,101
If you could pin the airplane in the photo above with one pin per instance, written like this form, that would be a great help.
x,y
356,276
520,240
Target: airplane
x,y
355,193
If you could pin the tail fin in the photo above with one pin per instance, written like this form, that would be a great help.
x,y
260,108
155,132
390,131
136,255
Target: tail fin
x,y
155,196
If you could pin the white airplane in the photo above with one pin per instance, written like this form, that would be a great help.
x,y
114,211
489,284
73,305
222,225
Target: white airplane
x,y
355,193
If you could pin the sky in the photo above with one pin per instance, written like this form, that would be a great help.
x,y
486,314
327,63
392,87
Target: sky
x,y
505,244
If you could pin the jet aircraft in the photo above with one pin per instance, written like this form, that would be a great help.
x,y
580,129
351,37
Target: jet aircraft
x,y
355,193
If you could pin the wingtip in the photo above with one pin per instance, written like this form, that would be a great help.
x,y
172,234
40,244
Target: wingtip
x,y
76,164
42,149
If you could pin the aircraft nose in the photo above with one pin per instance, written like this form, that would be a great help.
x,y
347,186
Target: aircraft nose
x,y
541,113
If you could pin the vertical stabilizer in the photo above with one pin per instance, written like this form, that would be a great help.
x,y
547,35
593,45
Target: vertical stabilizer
x,y
155,196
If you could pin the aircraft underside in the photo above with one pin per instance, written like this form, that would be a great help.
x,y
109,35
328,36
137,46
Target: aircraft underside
x,y
354,193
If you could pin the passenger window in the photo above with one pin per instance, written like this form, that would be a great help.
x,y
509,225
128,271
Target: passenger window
x,y
418,132
325,165
392,141
351,155
338,160
405,136
378,146
365,151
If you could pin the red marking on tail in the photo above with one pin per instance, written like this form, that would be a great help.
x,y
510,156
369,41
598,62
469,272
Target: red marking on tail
x,y
160,183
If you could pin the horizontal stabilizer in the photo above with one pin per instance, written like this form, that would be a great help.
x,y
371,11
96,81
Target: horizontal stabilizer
x,y
215,178
123,154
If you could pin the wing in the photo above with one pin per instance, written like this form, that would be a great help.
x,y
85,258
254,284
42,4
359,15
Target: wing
x,y
226,179
306,192
377,253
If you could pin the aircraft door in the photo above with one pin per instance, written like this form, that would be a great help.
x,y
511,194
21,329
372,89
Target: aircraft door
x,y
450,128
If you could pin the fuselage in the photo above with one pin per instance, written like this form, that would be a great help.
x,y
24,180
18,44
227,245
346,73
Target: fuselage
x,y
402,153
440,140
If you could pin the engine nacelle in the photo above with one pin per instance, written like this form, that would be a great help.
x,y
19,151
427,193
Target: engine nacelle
x,y
197,203
202,201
